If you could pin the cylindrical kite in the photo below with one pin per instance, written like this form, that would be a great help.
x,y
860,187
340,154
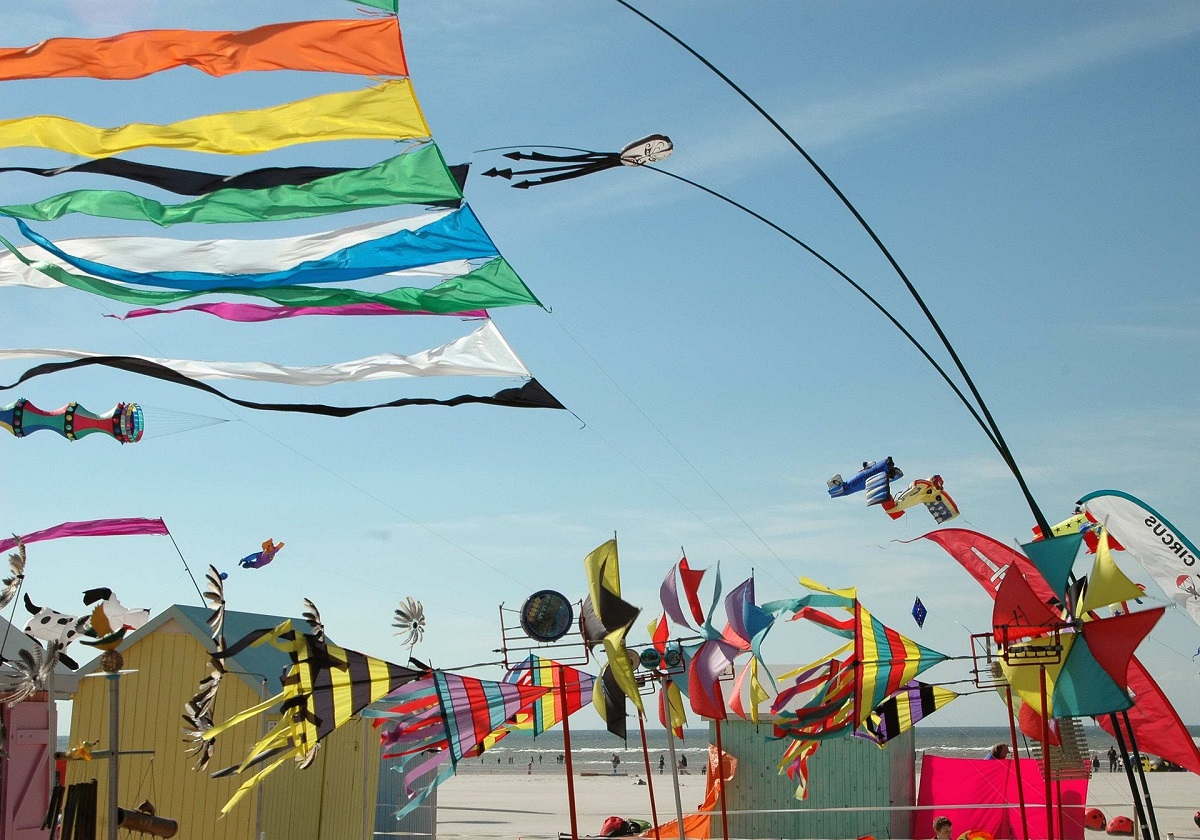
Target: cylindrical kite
x,y
124,423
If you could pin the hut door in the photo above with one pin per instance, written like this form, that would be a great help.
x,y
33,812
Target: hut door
x,y
25,773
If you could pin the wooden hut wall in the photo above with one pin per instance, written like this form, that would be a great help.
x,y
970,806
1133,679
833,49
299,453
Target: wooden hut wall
x,y
341,782
849,773
169,663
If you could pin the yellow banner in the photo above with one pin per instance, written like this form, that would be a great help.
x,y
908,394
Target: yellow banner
x,y
385,112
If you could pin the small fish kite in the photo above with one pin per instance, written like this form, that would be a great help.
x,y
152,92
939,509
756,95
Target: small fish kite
x,y
875,478
923,491
647,150
261,558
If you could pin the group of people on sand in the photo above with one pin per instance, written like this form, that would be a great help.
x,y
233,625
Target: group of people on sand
x,y
662,763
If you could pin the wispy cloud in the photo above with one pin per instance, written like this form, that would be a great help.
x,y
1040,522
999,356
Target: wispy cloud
x,y
826,124
1146,332
113,15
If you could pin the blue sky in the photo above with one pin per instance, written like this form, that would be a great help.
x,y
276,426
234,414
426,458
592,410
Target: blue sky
x,y
1031,167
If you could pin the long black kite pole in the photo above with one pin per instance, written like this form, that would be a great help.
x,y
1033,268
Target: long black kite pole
x,y
999,442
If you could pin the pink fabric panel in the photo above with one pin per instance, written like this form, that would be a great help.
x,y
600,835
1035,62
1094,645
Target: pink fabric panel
x,y
253,313
92,528
952,785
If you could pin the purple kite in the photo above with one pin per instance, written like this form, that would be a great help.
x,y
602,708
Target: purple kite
x,y
261,558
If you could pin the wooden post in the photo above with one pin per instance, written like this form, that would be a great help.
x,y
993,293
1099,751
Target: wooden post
x,y
114,746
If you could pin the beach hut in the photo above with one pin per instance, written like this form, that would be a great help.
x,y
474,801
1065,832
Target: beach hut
x,y
336,798
27,767
852,787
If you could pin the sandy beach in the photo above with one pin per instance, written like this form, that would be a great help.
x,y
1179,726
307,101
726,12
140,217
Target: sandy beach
x,y
507,801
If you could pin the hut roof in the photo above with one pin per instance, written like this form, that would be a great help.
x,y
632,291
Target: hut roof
x,y
14,640
252,665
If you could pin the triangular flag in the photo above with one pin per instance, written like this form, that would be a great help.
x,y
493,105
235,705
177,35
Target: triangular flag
x,y
1113,640
1018,612
1107,584
1054,558
1083,688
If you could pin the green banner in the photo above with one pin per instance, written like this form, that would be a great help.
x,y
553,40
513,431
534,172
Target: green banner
x,y
387,5
418,177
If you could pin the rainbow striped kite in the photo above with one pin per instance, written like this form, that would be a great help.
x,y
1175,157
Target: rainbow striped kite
x,y
550,708
845,686
436,721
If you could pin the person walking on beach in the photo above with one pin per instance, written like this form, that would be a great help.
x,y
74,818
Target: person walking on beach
x,y
1112,759
662,762
616,760
941,828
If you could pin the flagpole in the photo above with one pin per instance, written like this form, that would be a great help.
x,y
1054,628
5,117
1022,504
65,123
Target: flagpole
x,y
721,782
649,774
1012,731
562,693
674,765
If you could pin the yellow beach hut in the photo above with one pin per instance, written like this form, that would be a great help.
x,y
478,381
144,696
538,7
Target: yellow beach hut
x,y
335,798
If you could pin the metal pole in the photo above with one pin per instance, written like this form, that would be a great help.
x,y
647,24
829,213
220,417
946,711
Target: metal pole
x,y
1012,731
1046,755
674,768
258,792
1137,763
562,693
52,733
721,782
1125,758
649,775
114,759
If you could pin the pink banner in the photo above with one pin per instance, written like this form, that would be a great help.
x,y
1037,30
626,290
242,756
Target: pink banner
x,y
963,788
93,528
255,313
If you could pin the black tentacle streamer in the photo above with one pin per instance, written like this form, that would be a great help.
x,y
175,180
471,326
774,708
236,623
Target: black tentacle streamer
x,y
530,395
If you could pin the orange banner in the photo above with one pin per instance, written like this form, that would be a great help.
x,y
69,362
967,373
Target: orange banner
x,y
370,47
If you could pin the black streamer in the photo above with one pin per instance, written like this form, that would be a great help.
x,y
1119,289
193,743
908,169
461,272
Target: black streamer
x,y
529,395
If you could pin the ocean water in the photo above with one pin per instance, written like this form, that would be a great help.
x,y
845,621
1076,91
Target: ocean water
x,y
592,750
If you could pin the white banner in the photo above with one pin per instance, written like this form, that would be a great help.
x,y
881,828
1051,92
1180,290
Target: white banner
x,y
482,353
1162,550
